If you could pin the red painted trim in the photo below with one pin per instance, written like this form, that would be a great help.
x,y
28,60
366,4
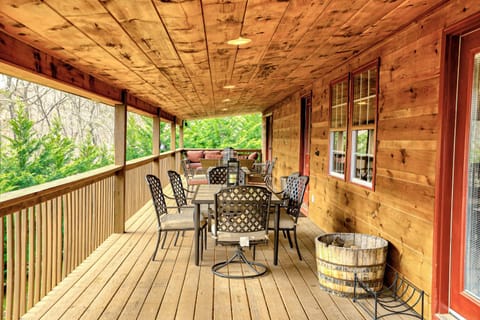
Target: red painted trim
x,y
459,301
443,173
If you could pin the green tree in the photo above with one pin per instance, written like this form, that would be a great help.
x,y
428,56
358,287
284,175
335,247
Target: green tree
x,y
27,159
236,132
139,136
18,169
90,157
56,155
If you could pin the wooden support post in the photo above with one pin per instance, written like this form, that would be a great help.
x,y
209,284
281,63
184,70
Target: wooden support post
x,y
180,138
120,133
156,145
173,146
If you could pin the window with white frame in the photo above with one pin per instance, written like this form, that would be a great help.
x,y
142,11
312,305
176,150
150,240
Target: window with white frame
x,y
353,117
338,127
364,111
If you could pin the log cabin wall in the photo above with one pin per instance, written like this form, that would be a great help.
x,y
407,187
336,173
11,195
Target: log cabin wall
x,y
401,209
286,137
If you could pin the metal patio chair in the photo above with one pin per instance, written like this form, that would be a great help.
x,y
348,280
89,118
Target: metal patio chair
x,y
292,196
241,216
181,198
180,220
217,175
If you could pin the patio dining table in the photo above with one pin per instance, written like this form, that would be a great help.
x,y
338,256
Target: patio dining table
x,y
205,194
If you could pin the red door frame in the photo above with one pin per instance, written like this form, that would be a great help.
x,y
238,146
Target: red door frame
x,y
459,300
305,142
305,129
444,181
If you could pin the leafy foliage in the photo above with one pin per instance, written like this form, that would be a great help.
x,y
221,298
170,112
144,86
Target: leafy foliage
x,y
236,132
38,144
28,159
139,136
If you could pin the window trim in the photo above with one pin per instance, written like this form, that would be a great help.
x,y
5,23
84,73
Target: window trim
x,y
347,176
336,175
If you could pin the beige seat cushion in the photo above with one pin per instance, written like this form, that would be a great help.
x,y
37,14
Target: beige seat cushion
x,y
285,222
182,220
234,237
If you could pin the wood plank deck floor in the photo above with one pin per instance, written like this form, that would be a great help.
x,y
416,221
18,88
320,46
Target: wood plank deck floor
x,y
119,281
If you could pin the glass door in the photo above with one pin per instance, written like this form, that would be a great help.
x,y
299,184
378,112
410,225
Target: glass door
x,y
465,241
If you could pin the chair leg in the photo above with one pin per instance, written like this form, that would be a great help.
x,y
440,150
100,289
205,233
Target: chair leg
x,y
164,238
205,235
296,243
256,268
156,246
253,252
201,244
289,238
176,238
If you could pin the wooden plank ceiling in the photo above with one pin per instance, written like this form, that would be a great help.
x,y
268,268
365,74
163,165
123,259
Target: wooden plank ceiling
x,y
174,55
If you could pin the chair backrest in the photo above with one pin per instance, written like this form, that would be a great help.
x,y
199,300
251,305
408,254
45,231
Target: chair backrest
x,y
157,196
177,187
208,163
242,209
247,163
294,192
187,172
217,175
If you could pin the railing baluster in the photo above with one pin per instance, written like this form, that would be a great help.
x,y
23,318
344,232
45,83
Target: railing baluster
x,y
59,236
23,264
2,268
47,271
53,238
10,266
38,252
31,257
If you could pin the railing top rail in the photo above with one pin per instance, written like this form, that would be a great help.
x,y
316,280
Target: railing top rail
x,y
19,199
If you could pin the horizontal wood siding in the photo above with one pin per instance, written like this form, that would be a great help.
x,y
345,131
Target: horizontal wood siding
x,y
286,138
401,209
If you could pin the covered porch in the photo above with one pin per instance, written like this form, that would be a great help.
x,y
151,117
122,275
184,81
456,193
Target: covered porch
x,y
79,246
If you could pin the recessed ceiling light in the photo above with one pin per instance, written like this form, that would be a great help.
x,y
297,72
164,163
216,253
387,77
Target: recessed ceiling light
x,y
228,86
224,109
226,100
239,41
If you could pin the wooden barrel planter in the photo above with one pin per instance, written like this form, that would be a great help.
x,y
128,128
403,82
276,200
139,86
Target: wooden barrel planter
x,y
342,255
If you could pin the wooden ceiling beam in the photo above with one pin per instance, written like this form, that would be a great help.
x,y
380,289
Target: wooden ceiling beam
x,y
26,62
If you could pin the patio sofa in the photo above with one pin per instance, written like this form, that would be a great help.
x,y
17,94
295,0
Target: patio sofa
x,y
195,156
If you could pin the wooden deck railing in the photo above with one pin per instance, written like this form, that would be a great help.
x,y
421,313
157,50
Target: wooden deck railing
x,y
51,228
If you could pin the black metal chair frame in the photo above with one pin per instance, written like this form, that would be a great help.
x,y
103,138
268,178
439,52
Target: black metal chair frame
x,y
181,198
217,175
179,192
162,213
241,211
188,173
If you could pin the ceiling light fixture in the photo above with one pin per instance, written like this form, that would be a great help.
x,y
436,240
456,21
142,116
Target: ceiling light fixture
x,y
228,86
226,100
239,41
224,109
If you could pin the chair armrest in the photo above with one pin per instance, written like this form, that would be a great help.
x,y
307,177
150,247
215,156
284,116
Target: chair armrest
x,y
168,196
